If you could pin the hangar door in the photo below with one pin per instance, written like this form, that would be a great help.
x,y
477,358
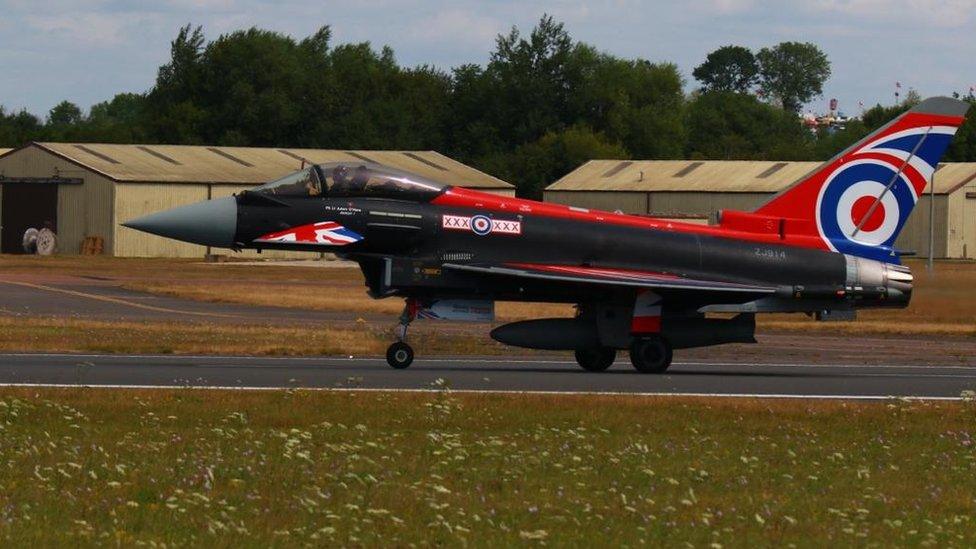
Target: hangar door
x,y
26,205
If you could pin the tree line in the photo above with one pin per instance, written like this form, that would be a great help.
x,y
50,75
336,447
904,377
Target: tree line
x,y
542,105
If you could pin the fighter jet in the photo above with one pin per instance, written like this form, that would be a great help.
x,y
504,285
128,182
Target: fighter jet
x,y
824,247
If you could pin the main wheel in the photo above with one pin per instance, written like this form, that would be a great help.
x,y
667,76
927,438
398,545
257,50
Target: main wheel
x,y
399,355
651,355
596,359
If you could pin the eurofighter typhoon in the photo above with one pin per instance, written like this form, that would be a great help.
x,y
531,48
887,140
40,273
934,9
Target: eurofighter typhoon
x,y
824,246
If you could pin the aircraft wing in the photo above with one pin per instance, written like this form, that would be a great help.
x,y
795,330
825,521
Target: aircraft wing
x,y
608,277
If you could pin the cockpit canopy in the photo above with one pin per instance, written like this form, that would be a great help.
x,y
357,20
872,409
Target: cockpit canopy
x,y
353,179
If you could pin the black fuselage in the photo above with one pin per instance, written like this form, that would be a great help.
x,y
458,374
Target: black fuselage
x,y
411,235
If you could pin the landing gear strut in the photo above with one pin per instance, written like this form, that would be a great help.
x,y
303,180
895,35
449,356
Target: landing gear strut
x,y
651,354
400,355
596,359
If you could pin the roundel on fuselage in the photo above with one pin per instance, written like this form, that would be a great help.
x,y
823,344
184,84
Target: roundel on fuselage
x,y
480,225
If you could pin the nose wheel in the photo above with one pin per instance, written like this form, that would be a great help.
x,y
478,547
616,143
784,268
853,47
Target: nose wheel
x,y
399,355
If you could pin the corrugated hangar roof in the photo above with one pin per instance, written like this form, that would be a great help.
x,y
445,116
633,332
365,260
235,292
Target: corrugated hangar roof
x,y
4,151
250,165
716,176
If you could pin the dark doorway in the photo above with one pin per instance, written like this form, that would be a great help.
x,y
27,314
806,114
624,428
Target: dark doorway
x,y
26,205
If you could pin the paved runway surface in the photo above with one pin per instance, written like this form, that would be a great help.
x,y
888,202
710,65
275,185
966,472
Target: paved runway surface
x,y
783,364
490,374
92,299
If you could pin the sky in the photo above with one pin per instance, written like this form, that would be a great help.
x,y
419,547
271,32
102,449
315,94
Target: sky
x,y
86,51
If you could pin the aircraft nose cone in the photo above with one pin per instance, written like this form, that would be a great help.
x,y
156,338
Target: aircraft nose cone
x,y
210,223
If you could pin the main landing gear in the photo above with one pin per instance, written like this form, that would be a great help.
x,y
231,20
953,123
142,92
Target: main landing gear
x,y
596,359
649,354
400,355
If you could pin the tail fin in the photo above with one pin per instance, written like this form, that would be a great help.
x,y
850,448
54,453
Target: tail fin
x,y
858,201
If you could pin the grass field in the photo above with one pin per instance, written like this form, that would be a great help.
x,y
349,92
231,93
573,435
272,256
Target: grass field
x,y
91,466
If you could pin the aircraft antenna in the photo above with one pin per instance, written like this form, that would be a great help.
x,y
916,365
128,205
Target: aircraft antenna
x,y
891,183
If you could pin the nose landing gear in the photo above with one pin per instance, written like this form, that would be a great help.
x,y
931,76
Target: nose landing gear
x,y
399,355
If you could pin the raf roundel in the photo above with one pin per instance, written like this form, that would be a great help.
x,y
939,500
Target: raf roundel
x,y
481,225
864,203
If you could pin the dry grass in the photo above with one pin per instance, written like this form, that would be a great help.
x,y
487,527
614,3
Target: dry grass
x,y
942,304
75,335
780,323
60,334
194,467
279,284
948,296
334,296
164,269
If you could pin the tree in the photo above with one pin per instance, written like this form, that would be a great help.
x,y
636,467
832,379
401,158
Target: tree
x,y
262,88
542,105
729,68
171,113
472,133
64,114
540,91
963,147
533,81
634,102
18,128
537,164
251,87
733,126
121,120
793,72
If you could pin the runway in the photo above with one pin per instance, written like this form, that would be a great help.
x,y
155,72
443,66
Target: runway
x,y
77,297
490,374
786,365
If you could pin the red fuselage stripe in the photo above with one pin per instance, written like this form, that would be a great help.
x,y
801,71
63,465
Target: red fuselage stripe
x,y
594,271
465,198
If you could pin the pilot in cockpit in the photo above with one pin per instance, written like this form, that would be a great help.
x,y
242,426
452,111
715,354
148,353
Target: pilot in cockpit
x,y
352,180
311,186
340,178
359,179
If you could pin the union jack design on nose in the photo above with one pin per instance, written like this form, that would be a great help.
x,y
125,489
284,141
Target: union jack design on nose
x,y
325,233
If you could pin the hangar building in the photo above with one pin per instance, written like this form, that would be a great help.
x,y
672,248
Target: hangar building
x,y
696,190
86,190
